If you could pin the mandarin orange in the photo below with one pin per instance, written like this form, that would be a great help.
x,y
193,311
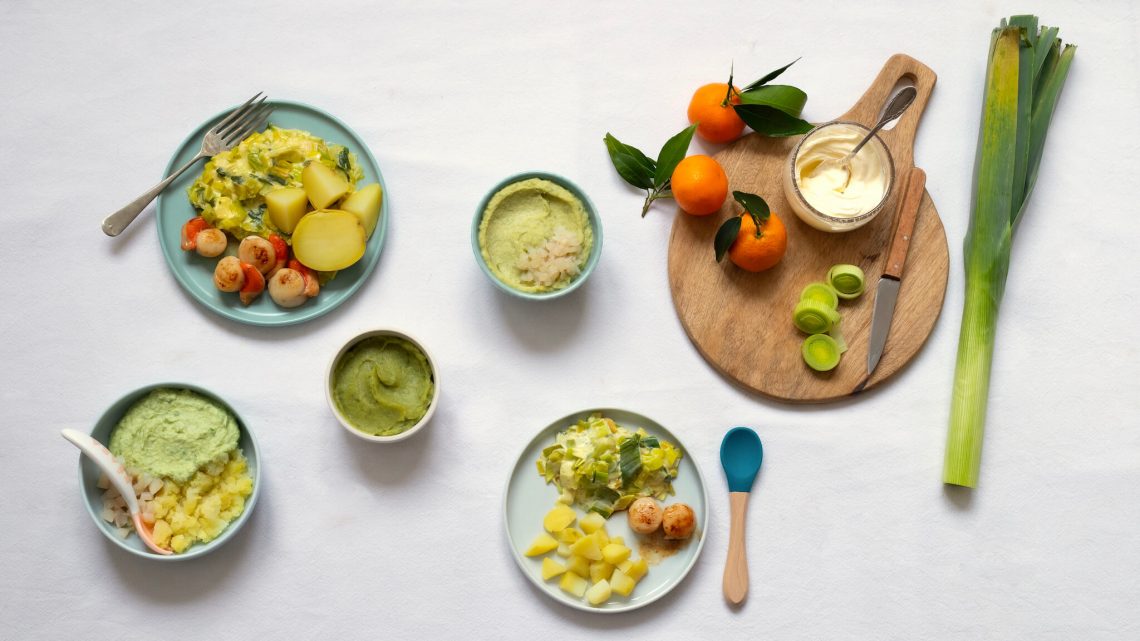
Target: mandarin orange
x,y
716,120
756,250
699,185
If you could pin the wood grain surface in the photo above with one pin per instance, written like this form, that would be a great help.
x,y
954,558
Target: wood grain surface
x,y
741,322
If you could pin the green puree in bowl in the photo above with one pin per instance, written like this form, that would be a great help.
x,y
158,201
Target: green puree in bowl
x,y
173,432
383,385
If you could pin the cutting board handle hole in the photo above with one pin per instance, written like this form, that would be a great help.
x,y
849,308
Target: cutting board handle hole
x,y
907,80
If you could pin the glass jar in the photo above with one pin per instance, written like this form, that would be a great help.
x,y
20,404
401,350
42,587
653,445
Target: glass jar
x,y
872,168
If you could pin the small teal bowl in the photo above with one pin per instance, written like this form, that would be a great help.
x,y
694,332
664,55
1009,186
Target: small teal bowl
x,y
591,214
93,496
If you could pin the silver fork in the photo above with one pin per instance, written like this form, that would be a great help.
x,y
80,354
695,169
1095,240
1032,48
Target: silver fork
x,y
240,122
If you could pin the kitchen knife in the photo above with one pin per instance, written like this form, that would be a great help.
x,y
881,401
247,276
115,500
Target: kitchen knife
x,y
887,292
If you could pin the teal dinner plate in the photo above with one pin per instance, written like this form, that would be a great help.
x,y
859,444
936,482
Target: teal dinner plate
x,y
196,274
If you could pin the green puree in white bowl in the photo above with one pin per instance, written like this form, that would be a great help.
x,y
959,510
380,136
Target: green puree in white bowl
x,y
383,385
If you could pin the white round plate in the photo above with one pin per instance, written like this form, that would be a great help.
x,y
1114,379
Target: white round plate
x,y
528,498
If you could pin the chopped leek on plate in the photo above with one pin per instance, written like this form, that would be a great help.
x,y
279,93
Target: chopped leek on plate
x,y
603,467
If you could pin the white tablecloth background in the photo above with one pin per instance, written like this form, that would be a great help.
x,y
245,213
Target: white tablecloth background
x,y
851,533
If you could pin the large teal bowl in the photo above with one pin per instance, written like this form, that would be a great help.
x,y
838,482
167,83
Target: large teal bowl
x,y
591,213
93,496
196,274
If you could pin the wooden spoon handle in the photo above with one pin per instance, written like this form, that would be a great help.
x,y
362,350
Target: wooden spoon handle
x,y
904,228
736,566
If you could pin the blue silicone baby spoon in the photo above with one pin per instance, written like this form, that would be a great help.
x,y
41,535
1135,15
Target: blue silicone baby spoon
x,y
740,454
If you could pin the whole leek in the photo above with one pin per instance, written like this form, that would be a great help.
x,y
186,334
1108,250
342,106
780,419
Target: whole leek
x,y
1027,67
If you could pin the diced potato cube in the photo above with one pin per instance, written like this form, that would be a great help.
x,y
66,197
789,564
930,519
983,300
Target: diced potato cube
x,y
617,539
621,583
615,553
573,584
600,570
569,535
599,593
162,532
541,545
636,569
287,205
323,185
579,565
559,518
563,550
591,522
179,542
588,547
551,568
602,536
365,204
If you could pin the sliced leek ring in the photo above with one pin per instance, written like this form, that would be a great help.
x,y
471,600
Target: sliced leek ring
x,y
821,292
821,352
848,281
814,317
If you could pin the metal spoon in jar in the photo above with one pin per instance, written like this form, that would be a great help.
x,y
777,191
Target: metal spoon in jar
x,y
895,108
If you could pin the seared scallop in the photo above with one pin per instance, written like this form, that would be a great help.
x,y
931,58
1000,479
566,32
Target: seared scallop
x,y
287,288
228,276
258,252
644,516
210,242
678,521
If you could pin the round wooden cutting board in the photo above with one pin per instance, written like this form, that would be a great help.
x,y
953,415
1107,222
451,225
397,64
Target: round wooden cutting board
x,y
741,322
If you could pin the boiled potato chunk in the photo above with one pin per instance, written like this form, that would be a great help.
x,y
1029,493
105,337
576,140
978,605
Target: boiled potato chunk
x,y
573,584
602,536
559,519
569,535
634,569
621,583
287,206
599,593
588,547
592,522
617,539
615,553
365,204
600,571
579,565
323,185
563,550
543,544
551,568
328,240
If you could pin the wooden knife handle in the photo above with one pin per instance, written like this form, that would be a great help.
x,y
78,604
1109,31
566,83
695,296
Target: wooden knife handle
x,y
736,565
908,211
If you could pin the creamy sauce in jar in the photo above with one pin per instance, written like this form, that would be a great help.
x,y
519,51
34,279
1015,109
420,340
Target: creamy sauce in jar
x,y
837,189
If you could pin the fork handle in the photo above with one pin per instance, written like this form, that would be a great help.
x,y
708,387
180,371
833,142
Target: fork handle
x,y
114,224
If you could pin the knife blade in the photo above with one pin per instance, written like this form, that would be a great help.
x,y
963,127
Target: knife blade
x,y
887,291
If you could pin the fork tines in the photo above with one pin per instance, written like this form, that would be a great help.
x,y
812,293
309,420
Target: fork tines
x,y
251,116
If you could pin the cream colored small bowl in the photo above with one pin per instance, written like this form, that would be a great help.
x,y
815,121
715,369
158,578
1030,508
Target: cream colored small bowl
x,y
329,395
819,219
